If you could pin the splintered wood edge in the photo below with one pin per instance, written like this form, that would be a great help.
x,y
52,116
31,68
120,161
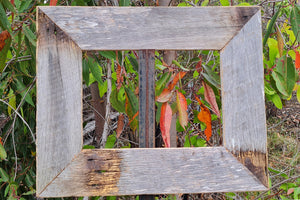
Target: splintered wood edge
x,y
59,107
167,171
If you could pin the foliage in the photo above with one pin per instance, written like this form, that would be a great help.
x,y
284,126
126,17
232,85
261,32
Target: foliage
x,y
193,75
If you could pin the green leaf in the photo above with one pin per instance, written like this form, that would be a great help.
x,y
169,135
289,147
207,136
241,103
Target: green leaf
x,y
29,181
295,20
4,53
195,74
4,175
4,23
8,5
224,2
24,6
29,34
95,70
3,154
11,101
277,101
124,2
88,147
284,75
165,77
270,27
108,54
111,140
85,71
133,62
131,108
273,50
298,93
211,76
115,103
22,89
102,88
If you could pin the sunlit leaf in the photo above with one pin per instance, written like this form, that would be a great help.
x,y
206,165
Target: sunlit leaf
x,y
116,103
11,101
280,41
298,94
165,123
182,109
3,154
211,98
224,2
297,60
205,117
165,96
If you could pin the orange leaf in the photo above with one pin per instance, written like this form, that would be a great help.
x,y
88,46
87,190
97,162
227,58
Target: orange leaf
x,y
177,77
205,117
297,62
165,96
3,36
211,98
53,2
165,123
120,124
182,109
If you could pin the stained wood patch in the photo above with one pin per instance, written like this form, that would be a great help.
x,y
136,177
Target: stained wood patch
x,y
123,172
64,169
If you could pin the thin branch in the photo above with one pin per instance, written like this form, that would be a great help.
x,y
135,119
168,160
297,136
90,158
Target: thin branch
x,y
107,118
276,185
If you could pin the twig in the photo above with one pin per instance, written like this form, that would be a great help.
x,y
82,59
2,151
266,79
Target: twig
x,y
107,118
20,117
276,185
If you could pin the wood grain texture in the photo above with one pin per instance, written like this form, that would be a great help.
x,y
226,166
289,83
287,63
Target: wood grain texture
x,y
146,99
244,119
167,171
133,28
59,96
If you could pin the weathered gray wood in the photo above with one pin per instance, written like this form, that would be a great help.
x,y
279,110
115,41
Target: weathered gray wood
x,y
167,171
243,105
150,28
146,99
59,107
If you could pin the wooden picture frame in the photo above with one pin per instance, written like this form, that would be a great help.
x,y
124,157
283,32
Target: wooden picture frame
x,y
64,169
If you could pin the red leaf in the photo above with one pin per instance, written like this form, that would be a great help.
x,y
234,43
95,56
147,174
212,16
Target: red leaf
x,y
297,61
165,123
3,36
165,96
53,2
120,124
199,65
211,98
182,109
177,77
120,78
290,191
205,117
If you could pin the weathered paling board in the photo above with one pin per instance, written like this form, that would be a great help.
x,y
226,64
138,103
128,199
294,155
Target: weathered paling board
x,y
135,28
183,170
244,119
146,99
59,107
64,170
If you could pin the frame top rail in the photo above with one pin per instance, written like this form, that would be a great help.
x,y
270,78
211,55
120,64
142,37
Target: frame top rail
x,y
132,28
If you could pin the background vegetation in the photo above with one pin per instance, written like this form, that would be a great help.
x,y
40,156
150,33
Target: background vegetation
x,y
190,85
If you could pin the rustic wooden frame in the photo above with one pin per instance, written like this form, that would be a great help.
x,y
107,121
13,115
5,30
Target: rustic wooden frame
x,y
64,169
